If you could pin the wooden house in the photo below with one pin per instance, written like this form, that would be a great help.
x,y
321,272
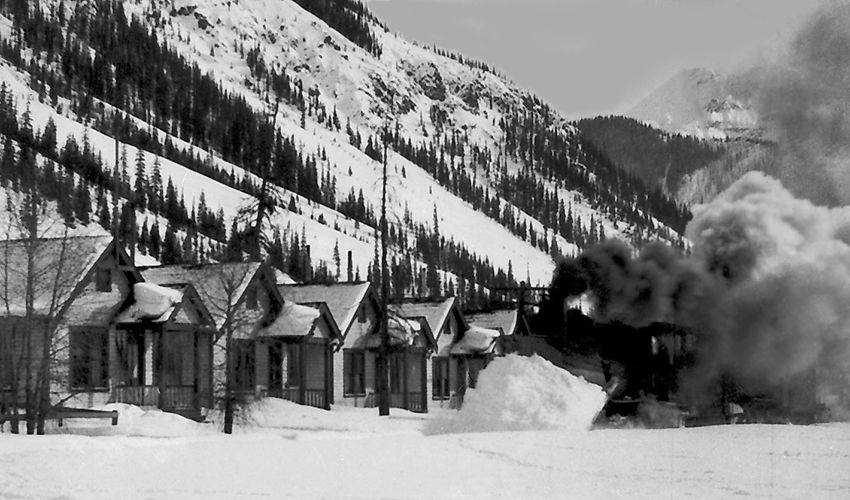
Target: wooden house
x,y
446,322
354,308
489,334
506,321
294,355
410,345
163,350
278,348
241,297
77,287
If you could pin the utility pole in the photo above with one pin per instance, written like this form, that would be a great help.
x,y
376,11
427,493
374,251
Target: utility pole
x,y
383,367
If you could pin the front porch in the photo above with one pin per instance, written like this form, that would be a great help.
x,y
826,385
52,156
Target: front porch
x,y
169,369
297,370
176,399
408,382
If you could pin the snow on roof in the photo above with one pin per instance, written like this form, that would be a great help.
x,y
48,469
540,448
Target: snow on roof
x,y
435,312
294,320
217,284
281,278
151,303
402,332
476,340
60,265
342,299
504,320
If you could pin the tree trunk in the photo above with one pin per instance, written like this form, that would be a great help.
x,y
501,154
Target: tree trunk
x,y
228,383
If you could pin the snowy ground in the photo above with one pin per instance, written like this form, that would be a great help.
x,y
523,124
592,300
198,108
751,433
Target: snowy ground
x,y
356,454
286,450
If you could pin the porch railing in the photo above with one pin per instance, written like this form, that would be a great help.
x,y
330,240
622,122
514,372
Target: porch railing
x,y
312,397
173,397
415,401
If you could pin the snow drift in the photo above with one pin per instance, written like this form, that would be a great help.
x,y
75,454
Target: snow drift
x,y
524,393
136,422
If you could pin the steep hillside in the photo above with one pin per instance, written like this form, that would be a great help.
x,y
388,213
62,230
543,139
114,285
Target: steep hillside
x,y
654,155
219,108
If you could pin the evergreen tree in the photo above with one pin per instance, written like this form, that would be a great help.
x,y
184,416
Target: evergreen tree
x,y
82,202
337,260
171,250
155,240
140,186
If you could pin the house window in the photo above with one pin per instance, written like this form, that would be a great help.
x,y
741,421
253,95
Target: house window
x,y
173,354
275,365
6,359
354,367
243,364
103,279
251,298
293,365
440,378
361,313
89,358
396,373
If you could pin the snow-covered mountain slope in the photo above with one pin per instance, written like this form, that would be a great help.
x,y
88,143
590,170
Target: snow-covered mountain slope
x,y
698,102
428,100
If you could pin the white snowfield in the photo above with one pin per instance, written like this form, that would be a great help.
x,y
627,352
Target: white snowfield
x,y
283,450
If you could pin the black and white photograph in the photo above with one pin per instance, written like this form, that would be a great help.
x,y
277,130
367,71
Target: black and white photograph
x,y
422,249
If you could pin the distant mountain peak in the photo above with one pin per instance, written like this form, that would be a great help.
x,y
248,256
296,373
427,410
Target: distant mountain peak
x,y
698,102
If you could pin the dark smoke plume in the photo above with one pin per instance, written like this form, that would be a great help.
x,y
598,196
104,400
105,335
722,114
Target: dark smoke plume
x,y
804,101
766,287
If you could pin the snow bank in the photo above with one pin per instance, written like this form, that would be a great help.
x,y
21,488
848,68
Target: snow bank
x,y
294,421
135,421
525,393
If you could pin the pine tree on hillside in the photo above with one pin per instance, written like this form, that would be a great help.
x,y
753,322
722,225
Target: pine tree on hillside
x,y
155,196
155,244
140,186
171,250
82,202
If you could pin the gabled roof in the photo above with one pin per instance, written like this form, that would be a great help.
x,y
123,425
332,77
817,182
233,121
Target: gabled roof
x,y
435,312
61,265
505,320
217,284
342,299
403,332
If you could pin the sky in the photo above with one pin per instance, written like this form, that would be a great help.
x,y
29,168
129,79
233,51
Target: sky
x,y
591,57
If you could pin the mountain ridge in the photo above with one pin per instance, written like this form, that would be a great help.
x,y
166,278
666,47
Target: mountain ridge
x,y
464,141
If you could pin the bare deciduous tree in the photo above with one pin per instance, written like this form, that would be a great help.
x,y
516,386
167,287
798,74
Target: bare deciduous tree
x,y
39,269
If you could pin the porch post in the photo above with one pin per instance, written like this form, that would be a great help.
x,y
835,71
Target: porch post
x,y
159,367
302,372
405,388
329,376
196,361
424,381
